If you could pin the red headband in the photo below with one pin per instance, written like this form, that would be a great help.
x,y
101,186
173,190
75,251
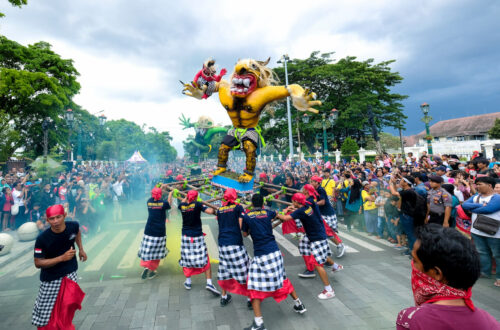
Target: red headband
x,y
316,178
310,190
262,175
179,178
299,198
156,193
230,196
192,195
169,172
54,210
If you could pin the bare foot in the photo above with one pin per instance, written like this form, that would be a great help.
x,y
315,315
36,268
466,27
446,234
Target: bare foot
x,y
497,283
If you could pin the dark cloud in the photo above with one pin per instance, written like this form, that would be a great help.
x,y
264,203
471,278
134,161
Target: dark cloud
x,y
451,48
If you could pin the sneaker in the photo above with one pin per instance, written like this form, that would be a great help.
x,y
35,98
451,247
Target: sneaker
x,y
301,309
144,274
339,268
249,304
326,295
225,301
152,274
187,286
212,289
340,250
307,274
255,327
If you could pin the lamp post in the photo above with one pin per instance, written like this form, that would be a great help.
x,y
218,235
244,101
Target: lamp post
x,y
45,127
69,120
427,119
284,59
332,118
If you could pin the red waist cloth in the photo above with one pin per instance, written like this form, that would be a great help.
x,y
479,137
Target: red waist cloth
x,y
69,299
150,264
188,272
311,262
234,286
290,227
278,295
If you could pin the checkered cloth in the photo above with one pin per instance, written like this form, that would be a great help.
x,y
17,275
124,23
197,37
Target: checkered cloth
x,y
46,299
193,252
153,248
250,134
233,263
266,273
331,220
319,249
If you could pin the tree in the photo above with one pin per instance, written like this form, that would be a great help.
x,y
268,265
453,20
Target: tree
x,y
349,147
347,85
494,132
35,83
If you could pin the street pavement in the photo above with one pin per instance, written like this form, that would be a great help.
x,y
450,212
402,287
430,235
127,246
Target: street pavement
x,y
373,287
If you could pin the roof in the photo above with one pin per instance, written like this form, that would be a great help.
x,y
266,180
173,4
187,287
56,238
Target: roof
x,y
136,158
473,125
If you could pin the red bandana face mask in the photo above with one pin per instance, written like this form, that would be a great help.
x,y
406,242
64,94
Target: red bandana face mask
x,y
427,290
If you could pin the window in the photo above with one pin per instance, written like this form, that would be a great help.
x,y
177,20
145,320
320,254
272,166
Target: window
x,y
479,137
460,138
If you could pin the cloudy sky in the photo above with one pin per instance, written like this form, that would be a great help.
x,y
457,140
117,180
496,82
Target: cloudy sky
x,y
132,54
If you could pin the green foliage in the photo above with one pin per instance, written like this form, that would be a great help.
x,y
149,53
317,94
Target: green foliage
x,y
35,83
349,147
46,172
347,85
494,132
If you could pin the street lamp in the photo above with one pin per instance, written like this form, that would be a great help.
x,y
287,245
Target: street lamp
x,y
45,127
69,120
284,59
427,119
332,118
102,120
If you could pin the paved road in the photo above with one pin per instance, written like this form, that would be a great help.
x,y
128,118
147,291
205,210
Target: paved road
x,y
372,288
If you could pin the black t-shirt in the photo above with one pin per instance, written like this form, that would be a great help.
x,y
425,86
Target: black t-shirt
x,y
258,223
311,221
191,218
229,225
408,200
325,209
157,215
49,245
288,198
391,212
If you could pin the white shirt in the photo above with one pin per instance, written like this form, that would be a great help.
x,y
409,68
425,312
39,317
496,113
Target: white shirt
x,y
495,215
118,189
17,196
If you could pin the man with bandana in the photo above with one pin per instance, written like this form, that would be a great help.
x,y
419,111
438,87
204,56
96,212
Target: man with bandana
x,y
445,266
55,255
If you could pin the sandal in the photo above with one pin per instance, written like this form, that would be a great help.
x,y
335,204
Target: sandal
x,y
497,283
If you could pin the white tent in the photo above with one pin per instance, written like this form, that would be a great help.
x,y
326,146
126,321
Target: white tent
x,y
136,158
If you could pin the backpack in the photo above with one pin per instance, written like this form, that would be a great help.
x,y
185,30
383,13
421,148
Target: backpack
x,y
420,210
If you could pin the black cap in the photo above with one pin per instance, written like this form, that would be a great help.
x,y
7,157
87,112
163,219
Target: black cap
x,y
436,178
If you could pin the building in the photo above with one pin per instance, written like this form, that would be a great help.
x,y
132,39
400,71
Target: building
x,y
459,136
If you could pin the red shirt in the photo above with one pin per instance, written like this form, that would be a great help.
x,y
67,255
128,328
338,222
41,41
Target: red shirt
x,y
442,317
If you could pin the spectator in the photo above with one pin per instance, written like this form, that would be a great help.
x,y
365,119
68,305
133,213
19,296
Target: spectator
x,y
445,267
486,206
354,204
8,201
368,195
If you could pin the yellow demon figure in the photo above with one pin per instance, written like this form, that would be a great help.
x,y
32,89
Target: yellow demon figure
x,y
251,88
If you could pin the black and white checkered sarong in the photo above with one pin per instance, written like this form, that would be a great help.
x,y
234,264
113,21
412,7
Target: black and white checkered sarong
x,y
250,134
266,273
319,249
153,248
331,220
46,299
233,263
193,252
